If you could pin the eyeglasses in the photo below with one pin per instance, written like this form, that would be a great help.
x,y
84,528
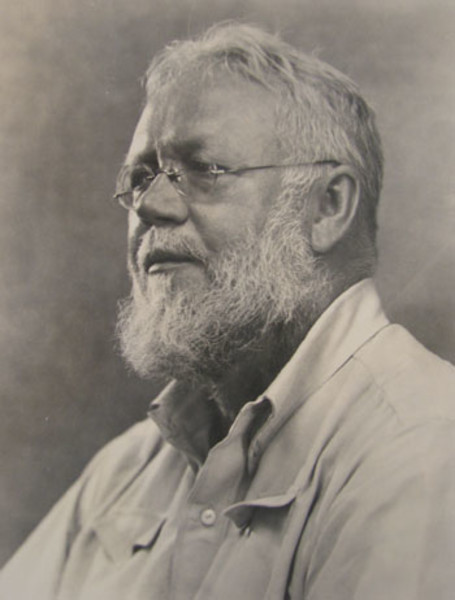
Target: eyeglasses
x,y
196,178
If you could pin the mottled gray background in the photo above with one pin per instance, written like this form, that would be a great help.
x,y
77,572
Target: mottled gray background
x,y
69,98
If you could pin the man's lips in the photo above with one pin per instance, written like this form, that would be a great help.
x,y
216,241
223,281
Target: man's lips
x,y
163,260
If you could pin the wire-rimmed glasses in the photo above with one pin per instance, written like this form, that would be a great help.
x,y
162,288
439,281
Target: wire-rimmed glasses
x,y
196,178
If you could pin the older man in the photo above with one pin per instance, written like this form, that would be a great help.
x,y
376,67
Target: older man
x,y
303,446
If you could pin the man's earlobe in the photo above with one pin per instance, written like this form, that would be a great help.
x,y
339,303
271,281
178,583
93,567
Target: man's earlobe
x,y
335,208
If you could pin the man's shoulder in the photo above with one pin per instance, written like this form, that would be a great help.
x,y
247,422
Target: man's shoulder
x,y
417,384
118,463
134,445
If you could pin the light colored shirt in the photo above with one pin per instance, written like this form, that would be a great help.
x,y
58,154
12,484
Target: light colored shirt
x,y
338,483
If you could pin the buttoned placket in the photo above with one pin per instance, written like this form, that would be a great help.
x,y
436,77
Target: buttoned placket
x,y
203,526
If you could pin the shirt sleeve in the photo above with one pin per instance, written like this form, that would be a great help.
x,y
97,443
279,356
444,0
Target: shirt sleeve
x,y
35,570
390,532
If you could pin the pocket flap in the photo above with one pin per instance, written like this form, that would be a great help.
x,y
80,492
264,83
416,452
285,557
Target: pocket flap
x,y
241,512
121,534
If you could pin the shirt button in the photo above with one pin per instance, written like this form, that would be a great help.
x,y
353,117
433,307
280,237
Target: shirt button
x,y
208,517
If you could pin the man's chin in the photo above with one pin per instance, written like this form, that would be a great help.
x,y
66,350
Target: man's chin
x,y
153,330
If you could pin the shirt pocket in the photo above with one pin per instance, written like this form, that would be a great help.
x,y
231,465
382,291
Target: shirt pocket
x,y
121,534
253,550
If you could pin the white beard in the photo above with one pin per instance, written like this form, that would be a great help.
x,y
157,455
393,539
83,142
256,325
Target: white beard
x,y
255,287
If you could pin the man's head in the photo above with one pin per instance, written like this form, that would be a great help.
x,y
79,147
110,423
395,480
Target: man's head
x,y
225,259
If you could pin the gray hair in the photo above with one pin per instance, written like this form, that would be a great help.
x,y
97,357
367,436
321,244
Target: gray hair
x,y
320,112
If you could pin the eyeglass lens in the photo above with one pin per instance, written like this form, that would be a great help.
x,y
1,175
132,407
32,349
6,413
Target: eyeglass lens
x,y
133,183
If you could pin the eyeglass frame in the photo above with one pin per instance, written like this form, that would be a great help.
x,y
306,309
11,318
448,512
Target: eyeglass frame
x,y
173,174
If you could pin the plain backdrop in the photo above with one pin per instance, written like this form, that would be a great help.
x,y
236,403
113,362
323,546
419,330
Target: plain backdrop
x,y
70,94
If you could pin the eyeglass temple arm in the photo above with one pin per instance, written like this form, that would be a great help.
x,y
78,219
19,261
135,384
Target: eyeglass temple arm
x,y
217,171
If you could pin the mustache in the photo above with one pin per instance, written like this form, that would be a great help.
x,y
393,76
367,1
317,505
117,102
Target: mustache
x,y
163,242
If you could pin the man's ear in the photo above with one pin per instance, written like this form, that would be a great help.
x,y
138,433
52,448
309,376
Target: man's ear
x,y
335,205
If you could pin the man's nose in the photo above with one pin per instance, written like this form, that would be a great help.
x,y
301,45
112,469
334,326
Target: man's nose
x,y
161,204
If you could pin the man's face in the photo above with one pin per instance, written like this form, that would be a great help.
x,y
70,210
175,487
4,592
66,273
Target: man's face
x,y
228,124
213,271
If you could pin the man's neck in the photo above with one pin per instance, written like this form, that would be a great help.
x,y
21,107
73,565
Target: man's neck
x,y
250,376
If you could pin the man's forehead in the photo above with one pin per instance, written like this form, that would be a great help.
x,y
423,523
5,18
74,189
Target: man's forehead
x,y
190,118
141,137
151,139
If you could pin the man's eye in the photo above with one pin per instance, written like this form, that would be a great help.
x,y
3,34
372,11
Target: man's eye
x,y
175,175
140,178
205,168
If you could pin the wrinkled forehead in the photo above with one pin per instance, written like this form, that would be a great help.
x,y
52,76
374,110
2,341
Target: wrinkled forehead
x,y
225,112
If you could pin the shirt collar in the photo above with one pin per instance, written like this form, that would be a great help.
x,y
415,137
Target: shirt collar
x,y
345,326
350,321
187,419
190,421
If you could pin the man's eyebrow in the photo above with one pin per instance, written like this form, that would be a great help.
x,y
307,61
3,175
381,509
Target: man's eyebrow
x,y
146,157
183,148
